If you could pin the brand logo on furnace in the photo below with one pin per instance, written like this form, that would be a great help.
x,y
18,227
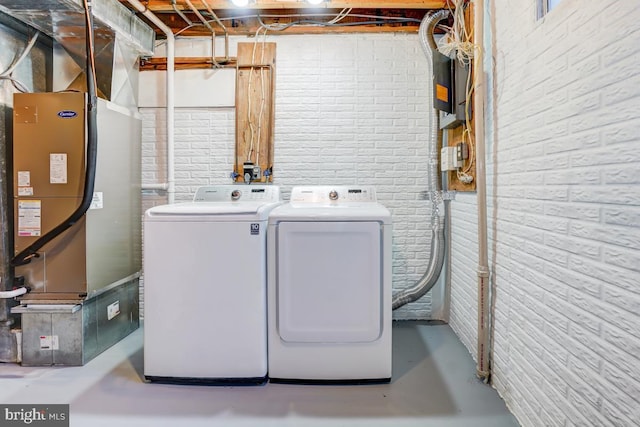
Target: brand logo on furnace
x,y
67,114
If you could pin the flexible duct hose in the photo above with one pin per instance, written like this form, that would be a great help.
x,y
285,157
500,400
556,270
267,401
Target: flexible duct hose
x,y
430,277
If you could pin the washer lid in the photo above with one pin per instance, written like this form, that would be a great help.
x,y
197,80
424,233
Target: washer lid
x,y
208,210
205,208
224,202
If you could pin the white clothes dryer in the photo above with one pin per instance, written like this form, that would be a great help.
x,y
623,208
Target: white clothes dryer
x,y
329,287
205,318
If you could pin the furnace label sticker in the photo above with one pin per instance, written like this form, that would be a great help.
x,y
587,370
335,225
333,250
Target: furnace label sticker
x,y
29,218
58,168
24,183
24,178
25,191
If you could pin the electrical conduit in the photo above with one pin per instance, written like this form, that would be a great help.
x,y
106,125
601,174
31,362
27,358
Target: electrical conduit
x,y
170,84
430,277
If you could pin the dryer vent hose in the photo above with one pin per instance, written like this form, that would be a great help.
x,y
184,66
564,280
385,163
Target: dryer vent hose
x,y
434,190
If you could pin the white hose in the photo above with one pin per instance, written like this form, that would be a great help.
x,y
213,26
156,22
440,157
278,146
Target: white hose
x,y
436,261
26,51
13,293
6,74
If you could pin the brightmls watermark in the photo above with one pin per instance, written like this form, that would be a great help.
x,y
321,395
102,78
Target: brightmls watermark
x,y
34,415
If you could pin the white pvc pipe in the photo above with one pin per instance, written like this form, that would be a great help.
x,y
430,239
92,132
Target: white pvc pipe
x,y
163,186
484,333
171,180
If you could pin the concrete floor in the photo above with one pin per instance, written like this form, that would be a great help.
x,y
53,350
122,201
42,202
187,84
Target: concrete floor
x,y
433,384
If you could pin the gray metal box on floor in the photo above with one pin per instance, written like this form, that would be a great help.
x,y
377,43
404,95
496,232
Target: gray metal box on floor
x,y
74,332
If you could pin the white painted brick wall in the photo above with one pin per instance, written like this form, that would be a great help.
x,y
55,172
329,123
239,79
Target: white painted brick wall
x,y
350,109
463,312
564,214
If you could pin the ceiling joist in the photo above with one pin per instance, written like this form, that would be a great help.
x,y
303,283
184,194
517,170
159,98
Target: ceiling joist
x,y
166,5
292,17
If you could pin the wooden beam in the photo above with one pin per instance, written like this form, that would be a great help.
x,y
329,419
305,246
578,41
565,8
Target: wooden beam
x,y
185,63
165,5
251,30
245,21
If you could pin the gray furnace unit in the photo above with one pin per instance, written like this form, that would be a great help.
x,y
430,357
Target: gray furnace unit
x,y
84,283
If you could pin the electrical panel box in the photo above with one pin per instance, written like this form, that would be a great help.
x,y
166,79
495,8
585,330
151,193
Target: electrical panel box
x,y
461,85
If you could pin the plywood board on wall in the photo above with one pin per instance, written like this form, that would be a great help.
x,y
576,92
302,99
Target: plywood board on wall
x,y
457,135
255,106
454,137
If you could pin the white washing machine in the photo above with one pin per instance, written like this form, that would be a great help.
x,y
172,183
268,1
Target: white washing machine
x,y
205,311
329,287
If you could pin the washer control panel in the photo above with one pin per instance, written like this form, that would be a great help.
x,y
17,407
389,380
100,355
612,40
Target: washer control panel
x,y
333,195
237,193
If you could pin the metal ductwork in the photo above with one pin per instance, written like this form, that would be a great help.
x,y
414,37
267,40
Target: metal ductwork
x,y
120,39
434,191
70,290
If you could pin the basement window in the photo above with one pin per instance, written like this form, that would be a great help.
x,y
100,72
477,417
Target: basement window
x,y
545,6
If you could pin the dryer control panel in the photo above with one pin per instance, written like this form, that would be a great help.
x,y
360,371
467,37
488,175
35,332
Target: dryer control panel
x,y
237,193
336,194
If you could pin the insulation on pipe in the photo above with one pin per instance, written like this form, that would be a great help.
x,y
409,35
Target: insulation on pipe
x,y
434,190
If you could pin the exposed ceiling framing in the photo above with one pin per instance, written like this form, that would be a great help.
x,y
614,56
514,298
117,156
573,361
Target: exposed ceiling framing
x,y
363,16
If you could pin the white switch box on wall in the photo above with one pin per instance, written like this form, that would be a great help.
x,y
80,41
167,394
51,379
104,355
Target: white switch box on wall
x,y
449,159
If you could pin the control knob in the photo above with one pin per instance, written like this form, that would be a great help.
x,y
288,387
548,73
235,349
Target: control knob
x,y
235,194
333,195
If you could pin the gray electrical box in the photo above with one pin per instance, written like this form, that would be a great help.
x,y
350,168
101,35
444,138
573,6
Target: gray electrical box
x,y
461,84
442,82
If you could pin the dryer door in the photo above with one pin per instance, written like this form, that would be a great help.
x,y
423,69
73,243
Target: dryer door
x,y
329,281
